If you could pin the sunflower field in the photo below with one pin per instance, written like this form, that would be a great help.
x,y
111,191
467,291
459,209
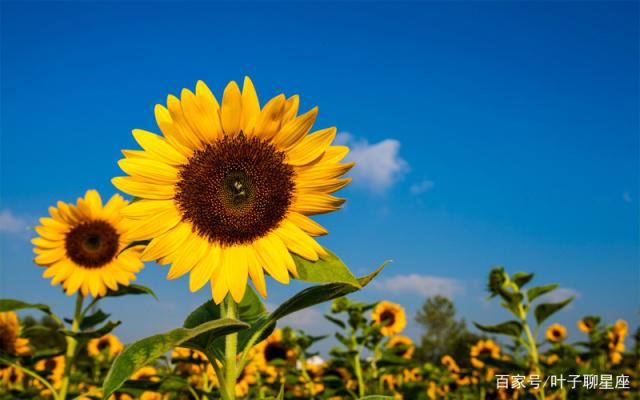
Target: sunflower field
x,y
225,195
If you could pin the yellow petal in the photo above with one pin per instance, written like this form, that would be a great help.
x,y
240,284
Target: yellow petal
x,y
204,267
183,127
270,118
231,111
250,106
255,271
307,224
206,120
311,147
322,171
154,225
50,256
49,234
311,204
113,207
299,242
93,200
270,251
295,130
142,209
150,171
47,244
171,131
167,243
159,148
187,257
219,288
321,185
235,270
291,106
142,189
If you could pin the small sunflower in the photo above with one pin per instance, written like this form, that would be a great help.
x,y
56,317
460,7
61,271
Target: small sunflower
x,y
82,246
587,324
310,383
616,336
411,375
227,191
402,346
556,333
484,348
107,347
53,368
390,316
246,378
11,377
450,363
274,349
150,374
10,342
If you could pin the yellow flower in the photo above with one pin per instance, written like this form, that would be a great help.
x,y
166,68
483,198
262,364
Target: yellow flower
x,y
390,316
552,359
246,378
402,346
586,325
484,347
273,348
106,346
389,381
147,373
53,368
227,191
450,363
11,377
9,332
556,333
615,336
82,245
311,384
120,396
411,374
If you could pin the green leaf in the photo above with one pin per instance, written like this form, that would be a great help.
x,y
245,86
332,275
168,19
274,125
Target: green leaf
x,y
510,328
521,278
545,310
329,269
281,393
250,310
131,289
336,321
15,305
85,335
538,291
142,352
94,319
307,298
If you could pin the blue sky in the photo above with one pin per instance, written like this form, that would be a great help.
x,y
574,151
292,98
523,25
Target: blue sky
x,y
486,133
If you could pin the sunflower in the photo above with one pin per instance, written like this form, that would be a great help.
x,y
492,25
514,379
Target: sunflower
x,y
53,368
390,316
411,375
246,378
450,363
82,246
11,377
556,333
311,381
588,324
274,349
150,374
484,348
107,346
9,332
227,190
615,336
402,346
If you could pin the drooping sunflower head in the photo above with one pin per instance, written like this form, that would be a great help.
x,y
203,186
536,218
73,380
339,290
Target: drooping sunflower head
x,y
390,316
450,363
10,342
106,346
484,348
556,333
226,191
402,346
81,245
274,349
588,324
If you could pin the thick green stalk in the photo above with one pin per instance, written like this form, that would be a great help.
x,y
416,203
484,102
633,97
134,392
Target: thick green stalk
x,y
230,349
72,343
533,348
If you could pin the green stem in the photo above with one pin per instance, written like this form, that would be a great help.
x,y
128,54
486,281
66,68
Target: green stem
x,y
229,310
357,366
533,349
72,343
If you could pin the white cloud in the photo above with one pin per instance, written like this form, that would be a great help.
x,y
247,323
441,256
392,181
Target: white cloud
x,y
559,295
378,165
626,196
305,318
423,285
421,187
9,223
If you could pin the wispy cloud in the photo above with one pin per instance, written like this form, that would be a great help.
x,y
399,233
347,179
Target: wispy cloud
x,y
423,285
378,165
308,317
12,224
626,196
421,187
559,294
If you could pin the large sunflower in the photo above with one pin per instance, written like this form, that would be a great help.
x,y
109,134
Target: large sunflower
x,y
390,316
82,246
227,190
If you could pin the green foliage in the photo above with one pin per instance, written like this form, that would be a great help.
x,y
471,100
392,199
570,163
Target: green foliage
x,y
16,305
132,289
510,328
545,310
142,352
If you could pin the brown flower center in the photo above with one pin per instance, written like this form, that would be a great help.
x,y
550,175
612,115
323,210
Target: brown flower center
x,y
92,244
387,318
275,351
235,190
